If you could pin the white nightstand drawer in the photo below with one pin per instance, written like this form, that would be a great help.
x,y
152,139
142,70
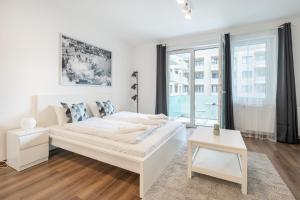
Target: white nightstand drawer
x,y
34,153
31,140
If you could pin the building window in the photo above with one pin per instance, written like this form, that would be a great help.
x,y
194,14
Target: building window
x,y
214,60
260,72
199,88
260,58
171,88
185,88
246,88
199,75
186,75
214,74
246,74
247,60
199,61
214,88
176,88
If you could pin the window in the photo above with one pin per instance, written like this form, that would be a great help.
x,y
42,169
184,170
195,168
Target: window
x,y
199,75
246,74
185,88
247,60
186,75
214,60
199,61
199,88
254,69
260,58
171,88
246,88
214,89
176,88
214,74
260,72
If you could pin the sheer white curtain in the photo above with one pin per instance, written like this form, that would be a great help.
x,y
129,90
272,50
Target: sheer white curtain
x,y
254,75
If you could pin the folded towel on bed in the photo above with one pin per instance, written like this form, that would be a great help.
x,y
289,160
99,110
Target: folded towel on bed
x,y
159,116
115,130
138,118
138,127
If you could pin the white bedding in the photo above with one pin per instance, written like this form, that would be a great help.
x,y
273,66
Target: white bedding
x,y
140,149
110,129
138,118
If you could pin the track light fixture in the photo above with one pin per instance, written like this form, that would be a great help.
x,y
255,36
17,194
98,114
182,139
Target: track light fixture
x,y
185,8
134,74
134,97
134,86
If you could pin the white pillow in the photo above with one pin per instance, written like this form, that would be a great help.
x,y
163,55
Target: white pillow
x,y
94,109
60,115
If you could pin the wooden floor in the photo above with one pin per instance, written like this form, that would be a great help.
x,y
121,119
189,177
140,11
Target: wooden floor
x,y
69,176
284,157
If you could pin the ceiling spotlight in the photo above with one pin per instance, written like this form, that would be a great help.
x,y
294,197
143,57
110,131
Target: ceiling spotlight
x,y
188,15
181,1
186,8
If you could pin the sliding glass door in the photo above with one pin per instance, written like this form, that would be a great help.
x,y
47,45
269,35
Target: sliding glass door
x,y
193,79
179,78
206,86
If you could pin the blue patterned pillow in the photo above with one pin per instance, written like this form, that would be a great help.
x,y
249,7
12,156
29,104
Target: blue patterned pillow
x,y
76,112
105,108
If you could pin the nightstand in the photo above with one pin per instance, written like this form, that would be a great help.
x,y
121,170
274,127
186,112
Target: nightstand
x,y
26,148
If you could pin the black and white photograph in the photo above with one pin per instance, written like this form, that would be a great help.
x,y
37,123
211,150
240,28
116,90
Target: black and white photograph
x,y
84,64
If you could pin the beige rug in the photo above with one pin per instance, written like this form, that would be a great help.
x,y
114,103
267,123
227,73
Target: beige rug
x,y
264,182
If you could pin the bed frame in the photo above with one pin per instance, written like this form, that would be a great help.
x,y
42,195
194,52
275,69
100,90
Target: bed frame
x,y
149,167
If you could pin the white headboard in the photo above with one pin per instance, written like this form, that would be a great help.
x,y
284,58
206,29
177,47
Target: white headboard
x,y
45,114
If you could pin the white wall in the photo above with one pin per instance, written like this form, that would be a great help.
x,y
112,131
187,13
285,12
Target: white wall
x,y
145,63
29,58
145,59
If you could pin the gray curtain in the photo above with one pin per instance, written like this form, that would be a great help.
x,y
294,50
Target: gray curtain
x,y
161,82
286,105
227,121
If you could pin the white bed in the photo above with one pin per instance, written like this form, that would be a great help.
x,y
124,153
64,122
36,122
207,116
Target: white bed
x,y
147,158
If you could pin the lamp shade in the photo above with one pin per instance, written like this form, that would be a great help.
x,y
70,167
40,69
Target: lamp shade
x,y
134,74
28,123
134,97
134,86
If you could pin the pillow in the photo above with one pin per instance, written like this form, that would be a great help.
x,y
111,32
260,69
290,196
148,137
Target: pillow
x,y
105,108
60,115
75,112
93,109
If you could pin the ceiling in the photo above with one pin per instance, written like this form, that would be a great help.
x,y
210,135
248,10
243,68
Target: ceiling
x,y
136,21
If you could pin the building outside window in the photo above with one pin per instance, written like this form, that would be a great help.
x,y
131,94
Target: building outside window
x,y
214,74
171,88
199,75
214,88
247,60
199,88
185,89
176,88
260,58
199,61
214,60
186,75
246,74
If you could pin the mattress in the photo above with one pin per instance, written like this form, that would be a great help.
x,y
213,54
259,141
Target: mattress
x,y
140,149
